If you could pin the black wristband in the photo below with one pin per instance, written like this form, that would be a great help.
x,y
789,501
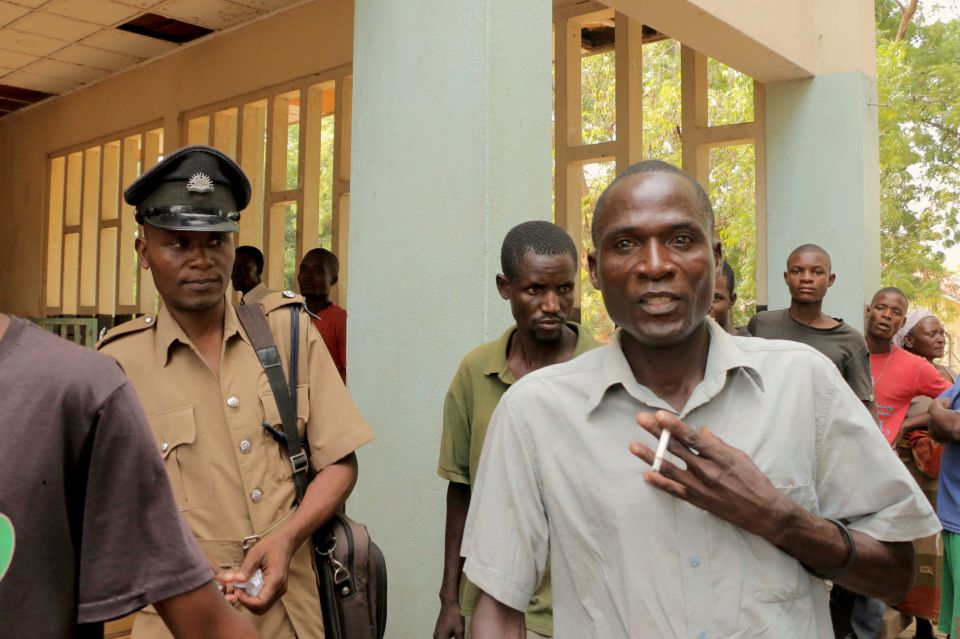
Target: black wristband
x,y
851,554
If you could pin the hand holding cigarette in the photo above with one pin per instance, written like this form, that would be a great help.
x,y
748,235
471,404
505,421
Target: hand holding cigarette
x,y
713,475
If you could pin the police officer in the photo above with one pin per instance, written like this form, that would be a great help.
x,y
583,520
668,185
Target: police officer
x,y
215,421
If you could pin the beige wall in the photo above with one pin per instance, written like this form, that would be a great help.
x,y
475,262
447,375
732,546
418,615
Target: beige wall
x,y
770,41
294,44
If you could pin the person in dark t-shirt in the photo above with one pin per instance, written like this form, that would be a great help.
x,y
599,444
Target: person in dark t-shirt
x,y
809,276
89,530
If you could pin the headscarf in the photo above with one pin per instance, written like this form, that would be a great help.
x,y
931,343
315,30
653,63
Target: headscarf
x,y
914,317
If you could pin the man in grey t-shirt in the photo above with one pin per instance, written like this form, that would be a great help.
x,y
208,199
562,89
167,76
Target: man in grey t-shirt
x,y
808,276
89,530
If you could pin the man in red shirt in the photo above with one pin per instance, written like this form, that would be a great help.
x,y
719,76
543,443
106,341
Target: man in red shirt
x,y
319,271
898,376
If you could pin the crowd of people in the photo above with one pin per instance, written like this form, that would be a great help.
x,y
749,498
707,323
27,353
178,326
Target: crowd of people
x,y
691,478
556,510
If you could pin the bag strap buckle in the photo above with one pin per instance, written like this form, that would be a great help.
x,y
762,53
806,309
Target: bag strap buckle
x,y
249,542
300,462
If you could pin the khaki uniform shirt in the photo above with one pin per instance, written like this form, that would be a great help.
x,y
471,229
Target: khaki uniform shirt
x,y
256,294
230,477
482,379
630,560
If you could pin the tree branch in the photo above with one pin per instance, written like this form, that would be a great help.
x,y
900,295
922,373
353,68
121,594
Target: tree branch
x,y
906,15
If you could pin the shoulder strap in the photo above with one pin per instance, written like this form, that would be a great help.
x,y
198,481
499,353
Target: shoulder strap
x,y
294,351
258,330
132,326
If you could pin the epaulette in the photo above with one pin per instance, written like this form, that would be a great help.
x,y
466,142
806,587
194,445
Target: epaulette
x,y
133,326
278,299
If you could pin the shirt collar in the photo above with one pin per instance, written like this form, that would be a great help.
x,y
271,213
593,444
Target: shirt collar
x,y
723,356
253,291
497,363
169,331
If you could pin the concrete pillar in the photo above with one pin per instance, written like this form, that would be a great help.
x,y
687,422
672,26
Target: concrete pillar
x,y
823,184
451,148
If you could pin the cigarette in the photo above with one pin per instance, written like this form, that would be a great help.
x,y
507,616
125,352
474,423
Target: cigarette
x,y
661,449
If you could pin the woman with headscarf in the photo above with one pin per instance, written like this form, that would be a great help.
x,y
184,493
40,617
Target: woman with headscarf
x,y
922,334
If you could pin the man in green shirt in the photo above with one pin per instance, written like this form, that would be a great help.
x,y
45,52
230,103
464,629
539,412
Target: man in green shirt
x,y
539,262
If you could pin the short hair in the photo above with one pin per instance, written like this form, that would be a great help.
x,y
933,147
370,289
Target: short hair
x,y
727,271
890,289
811,248
330,261
254,254
651,166
543,238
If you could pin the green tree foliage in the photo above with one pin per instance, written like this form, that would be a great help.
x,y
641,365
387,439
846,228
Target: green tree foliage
x,y
732,186
326,181
290,264
598,97
324,238
661,102
733,194
598,104
918,78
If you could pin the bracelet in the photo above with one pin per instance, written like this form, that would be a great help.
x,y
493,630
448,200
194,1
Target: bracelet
x,y
851,555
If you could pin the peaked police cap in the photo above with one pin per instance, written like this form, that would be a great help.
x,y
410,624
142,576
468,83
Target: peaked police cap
x,y
195,188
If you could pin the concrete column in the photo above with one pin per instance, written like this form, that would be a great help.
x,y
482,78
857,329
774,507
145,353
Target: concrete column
x,y
451,148
823,184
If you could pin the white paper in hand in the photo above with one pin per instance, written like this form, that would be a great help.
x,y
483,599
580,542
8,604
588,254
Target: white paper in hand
x,y
252,586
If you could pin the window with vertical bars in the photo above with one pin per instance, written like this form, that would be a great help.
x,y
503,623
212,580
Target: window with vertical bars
x,y
293,144
91,263
620,96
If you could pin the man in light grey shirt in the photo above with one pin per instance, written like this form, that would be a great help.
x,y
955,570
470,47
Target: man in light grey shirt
x,y
787,483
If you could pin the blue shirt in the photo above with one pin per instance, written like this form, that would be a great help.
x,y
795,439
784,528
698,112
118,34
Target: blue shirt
x,y
948,495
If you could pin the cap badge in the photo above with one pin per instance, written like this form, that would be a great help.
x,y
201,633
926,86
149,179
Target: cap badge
x,y
200,182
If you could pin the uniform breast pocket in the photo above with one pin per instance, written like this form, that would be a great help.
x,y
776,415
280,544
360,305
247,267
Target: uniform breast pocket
x,y
175,432
279,465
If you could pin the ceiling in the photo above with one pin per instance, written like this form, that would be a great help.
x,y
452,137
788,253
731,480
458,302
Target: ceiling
x,y
50,47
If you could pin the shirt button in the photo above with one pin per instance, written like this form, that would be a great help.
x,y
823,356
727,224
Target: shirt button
x,y
164,447
695,560
233,402
256,495
245,446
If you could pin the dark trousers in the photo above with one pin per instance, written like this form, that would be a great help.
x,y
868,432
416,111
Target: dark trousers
x,y
855,616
